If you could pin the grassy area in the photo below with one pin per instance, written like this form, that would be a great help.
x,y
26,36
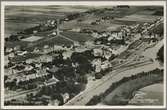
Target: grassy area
x,y
80,37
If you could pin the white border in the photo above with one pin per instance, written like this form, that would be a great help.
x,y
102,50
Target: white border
x,y
90,3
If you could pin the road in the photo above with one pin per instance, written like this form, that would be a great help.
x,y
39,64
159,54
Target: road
x,y
106,81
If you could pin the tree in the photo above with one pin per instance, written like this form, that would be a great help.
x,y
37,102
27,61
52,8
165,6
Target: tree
x,y
96,99
98,75
83,62
5,77
13,38
160,54
83,79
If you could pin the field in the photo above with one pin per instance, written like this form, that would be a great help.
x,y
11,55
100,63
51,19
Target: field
x,y
138,18
18,18
49,41
80,37
12,27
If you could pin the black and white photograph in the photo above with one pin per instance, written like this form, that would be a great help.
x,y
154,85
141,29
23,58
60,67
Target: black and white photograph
x,y
83,54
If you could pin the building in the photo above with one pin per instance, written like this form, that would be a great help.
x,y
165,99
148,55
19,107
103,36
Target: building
x,y
107,54
51,81
53,70
67,54
21,52
28,68
96,63
106,64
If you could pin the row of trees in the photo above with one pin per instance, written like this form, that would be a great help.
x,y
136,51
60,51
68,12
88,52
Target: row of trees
x,y
160,54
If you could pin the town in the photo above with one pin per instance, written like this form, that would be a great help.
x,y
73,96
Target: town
x,y
53,62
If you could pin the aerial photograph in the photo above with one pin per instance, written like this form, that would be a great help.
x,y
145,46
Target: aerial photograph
x,y
79,55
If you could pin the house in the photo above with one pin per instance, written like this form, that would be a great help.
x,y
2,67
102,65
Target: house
x,y
51,81
67,54
54,33
21,53
106,64
58,48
